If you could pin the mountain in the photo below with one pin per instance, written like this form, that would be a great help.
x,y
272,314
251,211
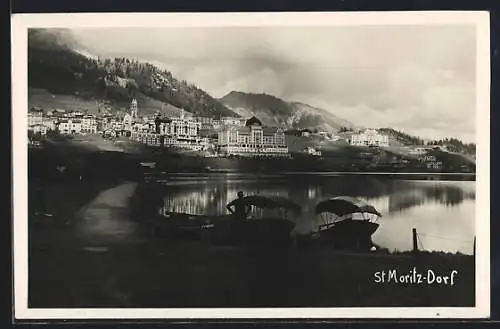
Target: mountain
x,y
62,73
274,111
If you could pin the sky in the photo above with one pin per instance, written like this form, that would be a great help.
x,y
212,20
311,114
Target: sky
x,y
417,79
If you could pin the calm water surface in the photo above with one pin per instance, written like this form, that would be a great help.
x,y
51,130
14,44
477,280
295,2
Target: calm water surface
x,y
441,211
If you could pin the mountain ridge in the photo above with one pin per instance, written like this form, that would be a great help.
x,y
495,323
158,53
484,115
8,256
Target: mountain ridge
x,y
293,114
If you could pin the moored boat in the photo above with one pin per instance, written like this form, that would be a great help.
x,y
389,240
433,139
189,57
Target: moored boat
x,y
180,225
346,223
270,222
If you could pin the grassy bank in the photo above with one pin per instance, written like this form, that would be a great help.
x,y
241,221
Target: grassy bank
x,y
52,237
62,180
167,274
342,162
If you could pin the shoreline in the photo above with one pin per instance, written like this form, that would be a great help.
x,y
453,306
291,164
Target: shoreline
x,y
85,157
402,176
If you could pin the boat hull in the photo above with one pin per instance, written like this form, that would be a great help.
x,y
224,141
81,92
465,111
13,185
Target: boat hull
x,y
224,230
263,232
179,226
269,232
349,234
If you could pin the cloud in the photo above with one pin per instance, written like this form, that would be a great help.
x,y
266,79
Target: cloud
x,y
416,78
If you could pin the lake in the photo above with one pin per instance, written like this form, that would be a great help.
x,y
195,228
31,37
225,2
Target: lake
x,y
442,211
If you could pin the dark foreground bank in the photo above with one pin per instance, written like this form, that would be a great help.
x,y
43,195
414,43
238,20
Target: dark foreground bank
x,y
156,274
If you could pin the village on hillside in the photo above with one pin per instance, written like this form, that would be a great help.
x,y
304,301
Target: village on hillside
x,y
226,136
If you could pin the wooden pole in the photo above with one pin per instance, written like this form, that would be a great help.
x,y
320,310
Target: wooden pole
x,y
415,244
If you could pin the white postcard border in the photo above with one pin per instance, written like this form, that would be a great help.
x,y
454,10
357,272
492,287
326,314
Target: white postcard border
x,y
20,24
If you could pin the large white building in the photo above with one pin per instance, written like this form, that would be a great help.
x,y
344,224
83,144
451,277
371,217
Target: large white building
x,y
232,121
206,122
35,117
89,124
187,129
182,132
149,138
369,137
252,140
38,129
66,122
71,126
41,123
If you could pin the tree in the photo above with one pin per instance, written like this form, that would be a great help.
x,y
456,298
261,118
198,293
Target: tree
x,y
344,129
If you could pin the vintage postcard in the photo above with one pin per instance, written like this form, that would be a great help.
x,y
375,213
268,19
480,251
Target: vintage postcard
x,y
251,165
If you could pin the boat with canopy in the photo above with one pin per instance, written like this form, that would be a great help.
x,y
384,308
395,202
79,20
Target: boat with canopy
x,y
347,222
270,221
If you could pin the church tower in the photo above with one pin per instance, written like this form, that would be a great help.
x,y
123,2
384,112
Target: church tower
x,y
133,108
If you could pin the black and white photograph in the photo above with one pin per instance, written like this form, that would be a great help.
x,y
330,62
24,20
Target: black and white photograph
x,y
251,165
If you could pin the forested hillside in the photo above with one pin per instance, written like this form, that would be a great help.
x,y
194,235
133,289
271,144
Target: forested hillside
x,y
452,144
55,67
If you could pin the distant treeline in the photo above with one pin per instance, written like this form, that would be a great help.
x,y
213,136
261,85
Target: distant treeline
x,y
455,145
452,144
402,137
345,129
62,71
256,102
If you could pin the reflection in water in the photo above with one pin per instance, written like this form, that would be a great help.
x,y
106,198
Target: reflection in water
x,y
441,211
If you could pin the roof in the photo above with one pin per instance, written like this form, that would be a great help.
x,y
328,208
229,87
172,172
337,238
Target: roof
x,y
343,205
205,132
162,120
271,202
253,121
270,130
243,130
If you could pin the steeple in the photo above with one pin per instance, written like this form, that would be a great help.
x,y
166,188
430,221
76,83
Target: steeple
x,y
133,108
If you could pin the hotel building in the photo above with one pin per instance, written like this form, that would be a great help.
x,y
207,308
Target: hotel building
x,y
369,137
252,140
176,132
70,126
35,117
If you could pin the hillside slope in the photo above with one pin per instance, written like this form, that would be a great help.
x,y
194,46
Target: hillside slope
x,y
56,68
274,111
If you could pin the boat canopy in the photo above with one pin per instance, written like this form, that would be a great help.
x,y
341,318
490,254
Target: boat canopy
x,y
343,205
271,202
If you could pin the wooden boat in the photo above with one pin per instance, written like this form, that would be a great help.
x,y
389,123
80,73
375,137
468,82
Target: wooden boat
x,y
180,225
270,223
347,223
